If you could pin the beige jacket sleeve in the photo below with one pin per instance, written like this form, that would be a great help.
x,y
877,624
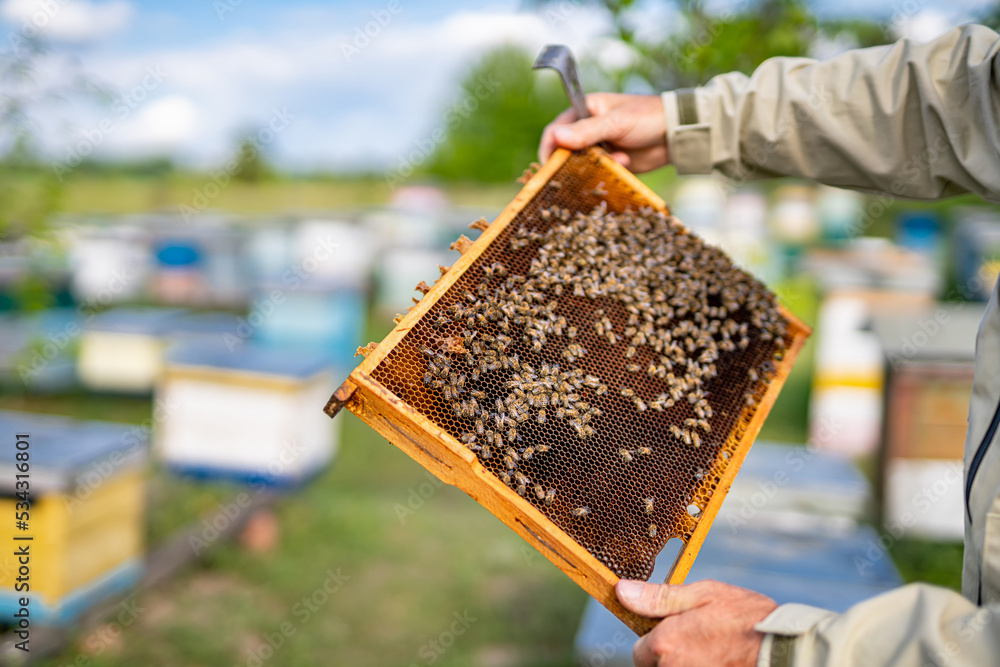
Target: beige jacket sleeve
x,y
910,120
912,626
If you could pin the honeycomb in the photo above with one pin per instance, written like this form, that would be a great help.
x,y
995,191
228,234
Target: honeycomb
x,y
601,360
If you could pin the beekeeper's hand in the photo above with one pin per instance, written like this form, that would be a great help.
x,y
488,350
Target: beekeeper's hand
x,y
704,623
634,126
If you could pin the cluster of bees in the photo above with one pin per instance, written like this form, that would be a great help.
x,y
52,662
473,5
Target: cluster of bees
x,y
686,305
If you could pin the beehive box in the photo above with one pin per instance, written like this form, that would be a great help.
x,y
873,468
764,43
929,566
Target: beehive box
x,y
85,517
929,361
560,373
243,413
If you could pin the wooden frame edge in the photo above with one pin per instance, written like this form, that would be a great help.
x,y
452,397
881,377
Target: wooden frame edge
x,y
437,451
527,193
685,560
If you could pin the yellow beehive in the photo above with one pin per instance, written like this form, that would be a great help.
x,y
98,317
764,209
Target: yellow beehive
x,y
85,519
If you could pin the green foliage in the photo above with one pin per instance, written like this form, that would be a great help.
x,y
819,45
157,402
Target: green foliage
x,y
251,167
715,43
492,131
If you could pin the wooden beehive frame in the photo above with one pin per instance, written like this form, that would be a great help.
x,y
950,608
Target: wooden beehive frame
x,y
439,452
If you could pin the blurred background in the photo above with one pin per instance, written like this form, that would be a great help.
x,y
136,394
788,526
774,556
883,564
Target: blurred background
x,y
205,208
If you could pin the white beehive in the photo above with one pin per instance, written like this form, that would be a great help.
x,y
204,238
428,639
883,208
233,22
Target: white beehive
x,y
245,413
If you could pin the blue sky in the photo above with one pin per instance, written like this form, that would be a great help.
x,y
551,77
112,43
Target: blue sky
x,y
224,68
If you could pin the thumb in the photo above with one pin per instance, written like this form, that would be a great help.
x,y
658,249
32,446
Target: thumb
x,y
587,132
660,600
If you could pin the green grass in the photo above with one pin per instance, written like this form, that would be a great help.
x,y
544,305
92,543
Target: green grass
x,y
938,563
406,577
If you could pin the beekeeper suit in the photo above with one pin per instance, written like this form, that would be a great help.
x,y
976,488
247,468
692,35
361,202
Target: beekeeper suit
x,y
906,120
910,120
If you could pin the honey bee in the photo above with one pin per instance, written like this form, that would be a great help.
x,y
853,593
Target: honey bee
x,y
521,479
695,439
539,491
580,512
647,505
652,530
640,404
705,426
540,417
629,352
752,374
504,477
528,453
511,434
675,431
633,368
643,450
509,463
627,392
601,390
468,438
625,455
549,497
512,453
541,449
486,453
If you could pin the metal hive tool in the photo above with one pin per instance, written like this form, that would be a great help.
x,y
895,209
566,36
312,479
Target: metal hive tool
x,y
598,524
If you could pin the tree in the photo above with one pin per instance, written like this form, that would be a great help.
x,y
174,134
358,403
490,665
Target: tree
x,y
491,132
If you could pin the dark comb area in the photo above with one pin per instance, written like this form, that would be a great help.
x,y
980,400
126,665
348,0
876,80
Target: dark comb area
x,y
601,360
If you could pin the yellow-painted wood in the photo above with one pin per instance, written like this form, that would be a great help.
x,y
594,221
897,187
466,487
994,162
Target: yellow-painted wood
x,y
78,535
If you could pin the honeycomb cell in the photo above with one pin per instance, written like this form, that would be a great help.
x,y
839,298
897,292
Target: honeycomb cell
x,y
601,360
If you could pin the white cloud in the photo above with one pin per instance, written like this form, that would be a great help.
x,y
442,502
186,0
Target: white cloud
x,y
923,26
75,21
361,113
160,126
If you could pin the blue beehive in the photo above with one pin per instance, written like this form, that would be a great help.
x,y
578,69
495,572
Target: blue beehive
x,y
325,319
